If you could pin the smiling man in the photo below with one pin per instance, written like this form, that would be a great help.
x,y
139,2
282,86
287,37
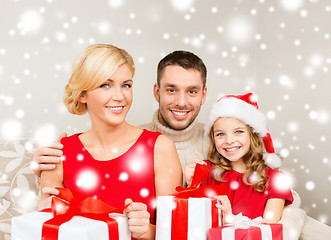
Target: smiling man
x,y
180,94
180,91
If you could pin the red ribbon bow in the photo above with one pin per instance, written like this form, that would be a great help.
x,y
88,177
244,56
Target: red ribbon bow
x,y
200,172
68,204
180,213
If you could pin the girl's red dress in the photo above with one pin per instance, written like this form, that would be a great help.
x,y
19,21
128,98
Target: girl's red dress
x,y
244,198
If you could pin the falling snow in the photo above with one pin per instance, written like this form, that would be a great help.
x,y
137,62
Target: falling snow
x,y
234,185
282,182
279,61
144,192
30,22
310,185
123,176
182,5
239,30
87,180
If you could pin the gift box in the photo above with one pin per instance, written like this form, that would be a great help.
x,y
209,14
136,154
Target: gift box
x,y
29,227
72,216
180,218
247,230
189,213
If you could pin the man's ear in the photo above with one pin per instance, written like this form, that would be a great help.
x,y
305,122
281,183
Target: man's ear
x,y
82,97
204,95
156,91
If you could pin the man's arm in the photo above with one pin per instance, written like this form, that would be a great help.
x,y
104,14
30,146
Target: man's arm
x,y
45,158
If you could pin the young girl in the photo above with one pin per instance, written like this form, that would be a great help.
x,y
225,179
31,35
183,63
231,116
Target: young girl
x,y
238,133
113,160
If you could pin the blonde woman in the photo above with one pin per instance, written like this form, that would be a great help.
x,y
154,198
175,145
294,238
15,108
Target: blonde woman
x,y
113,160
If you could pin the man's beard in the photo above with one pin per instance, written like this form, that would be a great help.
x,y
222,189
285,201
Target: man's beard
x,y
169,125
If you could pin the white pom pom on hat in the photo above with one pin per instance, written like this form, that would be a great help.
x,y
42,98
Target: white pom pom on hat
x,y
245,108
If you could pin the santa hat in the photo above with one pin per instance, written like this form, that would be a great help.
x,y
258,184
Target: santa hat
x,y
245,108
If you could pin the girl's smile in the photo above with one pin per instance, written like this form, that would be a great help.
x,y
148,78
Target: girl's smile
x,y
232,149
232,139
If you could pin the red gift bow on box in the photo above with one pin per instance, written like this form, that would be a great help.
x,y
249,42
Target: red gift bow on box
x,y
68,204
200,172
179,231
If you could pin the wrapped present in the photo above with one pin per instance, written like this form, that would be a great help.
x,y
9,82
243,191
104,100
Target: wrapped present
x,y
244,228
29,227
72,217
189,213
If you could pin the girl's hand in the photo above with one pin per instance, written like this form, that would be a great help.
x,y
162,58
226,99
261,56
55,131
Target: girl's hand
x,y
225,205
189,171
139,220
48,193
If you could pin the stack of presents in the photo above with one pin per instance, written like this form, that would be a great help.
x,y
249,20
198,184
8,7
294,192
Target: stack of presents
x,y
190,213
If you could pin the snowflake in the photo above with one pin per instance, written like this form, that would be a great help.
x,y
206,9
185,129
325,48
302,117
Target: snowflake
x,y
293,127
144,192
116,3
123,176
239,30
30,22
60,36
136,164
11,129
87,180
45,134
292,5
282,182
271,115
80,157
234,185
182,5
310,185
286,81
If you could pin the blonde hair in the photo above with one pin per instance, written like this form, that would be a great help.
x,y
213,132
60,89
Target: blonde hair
x,y
93,67
253,159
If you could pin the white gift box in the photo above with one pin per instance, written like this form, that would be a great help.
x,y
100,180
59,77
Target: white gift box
x,y
199,219
29,227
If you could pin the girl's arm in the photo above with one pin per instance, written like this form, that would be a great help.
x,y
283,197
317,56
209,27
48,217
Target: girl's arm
x,y
49,180
273,210
168,175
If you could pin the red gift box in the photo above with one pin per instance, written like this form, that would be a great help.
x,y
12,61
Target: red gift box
x,y
29,227
189,213
261,231
180,218
68,204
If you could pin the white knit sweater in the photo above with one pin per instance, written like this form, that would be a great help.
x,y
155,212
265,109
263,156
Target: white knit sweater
x,y
190,142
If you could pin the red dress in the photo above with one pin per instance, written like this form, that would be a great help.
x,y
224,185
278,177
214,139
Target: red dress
x,y
244,198
130,175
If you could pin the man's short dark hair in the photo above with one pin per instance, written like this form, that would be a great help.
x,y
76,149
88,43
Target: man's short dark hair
x,y
184,59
